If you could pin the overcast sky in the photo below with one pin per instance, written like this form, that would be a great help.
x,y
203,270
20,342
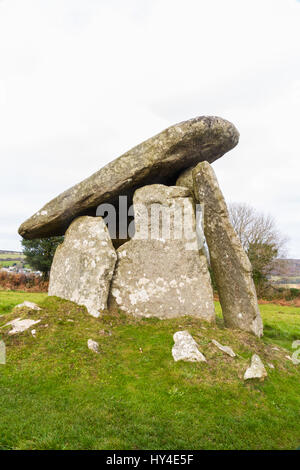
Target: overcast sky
x,y
83,81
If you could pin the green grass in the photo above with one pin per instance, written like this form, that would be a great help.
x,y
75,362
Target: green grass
x,y
6,264
57,394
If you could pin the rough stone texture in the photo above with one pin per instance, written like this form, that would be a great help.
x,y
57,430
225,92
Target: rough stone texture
x,y
2,352
157,160
256,370
186,179
83,265
93,345
225,349
185,348
230,264
29,305
20,325
157,274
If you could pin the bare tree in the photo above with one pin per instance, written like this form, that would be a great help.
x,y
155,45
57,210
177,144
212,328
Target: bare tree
x,y
259,236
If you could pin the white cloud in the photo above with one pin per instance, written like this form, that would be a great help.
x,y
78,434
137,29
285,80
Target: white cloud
x,y
82,81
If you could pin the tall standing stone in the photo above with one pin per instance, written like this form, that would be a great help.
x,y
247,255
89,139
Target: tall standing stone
x,y
83,265
161,272
231,267
157,160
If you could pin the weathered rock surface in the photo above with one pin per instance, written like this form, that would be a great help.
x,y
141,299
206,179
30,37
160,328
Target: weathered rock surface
x,y
225,349
18,325
83,265
230,264
294,358
29,305
256,370
185,348
157,160
93,345
161,272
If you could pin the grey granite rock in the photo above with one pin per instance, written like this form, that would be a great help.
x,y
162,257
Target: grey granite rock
x,y
231,267
83,265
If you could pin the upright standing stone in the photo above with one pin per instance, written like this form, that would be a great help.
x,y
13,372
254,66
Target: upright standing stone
x,y
83,265
186,348
231,267
161,272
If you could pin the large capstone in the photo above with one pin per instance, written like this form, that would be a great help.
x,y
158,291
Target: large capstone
x,y
230,264
83,265
157,160
161,272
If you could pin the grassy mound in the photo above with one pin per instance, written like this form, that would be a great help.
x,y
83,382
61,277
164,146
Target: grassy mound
x,y
57,394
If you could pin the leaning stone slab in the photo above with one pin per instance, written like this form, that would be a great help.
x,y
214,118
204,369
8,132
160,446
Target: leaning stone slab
x,y
225,349
18,325
185,348
157,160
83,265
161,272
230,265
256,370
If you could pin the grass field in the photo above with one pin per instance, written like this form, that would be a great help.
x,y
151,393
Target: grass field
x,y
57,394
9,299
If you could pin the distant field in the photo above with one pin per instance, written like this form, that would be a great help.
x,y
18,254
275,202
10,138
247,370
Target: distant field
x,y
289,286
9,255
